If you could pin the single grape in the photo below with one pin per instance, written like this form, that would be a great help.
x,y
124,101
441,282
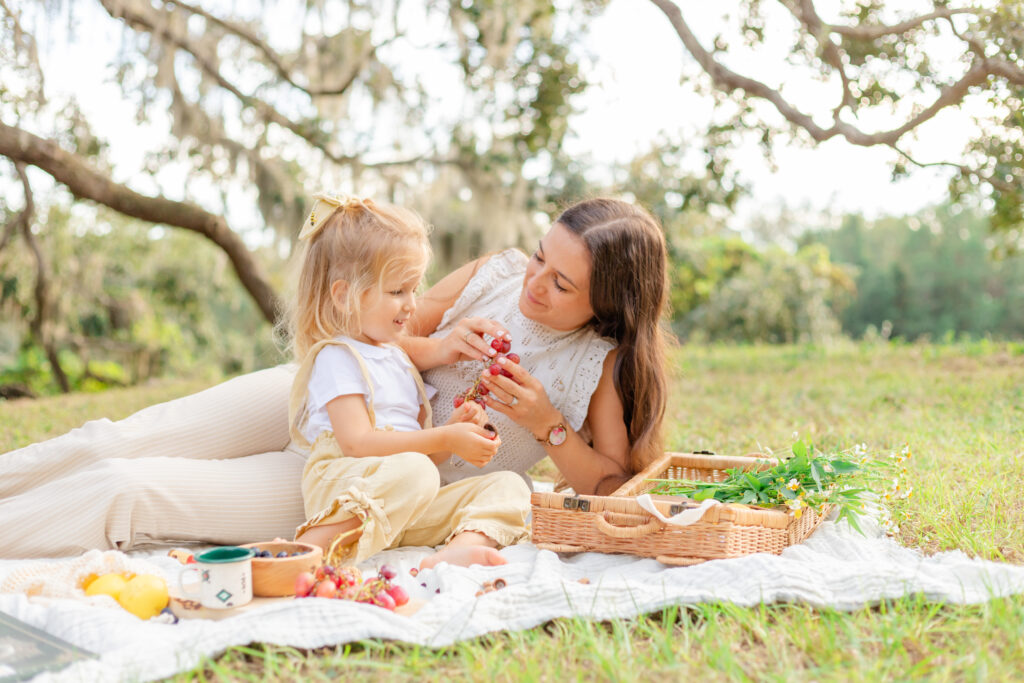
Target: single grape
x,y
482,390
459,400
495,369
388,572
384,599
496,344
505,346
514,357
399,595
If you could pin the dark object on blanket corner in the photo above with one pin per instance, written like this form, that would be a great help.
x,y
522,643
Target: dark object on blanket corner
x,y
26,651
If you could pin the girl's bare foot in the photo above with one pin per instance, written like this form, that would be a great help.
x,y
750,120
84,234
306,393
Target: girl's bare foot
x,y
465,556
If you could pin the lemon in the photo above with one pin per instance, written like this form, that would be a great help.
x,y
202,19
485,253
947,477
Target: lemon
x,y
108,584
144,596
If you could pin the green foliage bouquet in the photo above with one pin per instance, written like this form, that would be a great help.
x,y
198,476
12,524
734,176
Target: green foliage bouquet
x,y
808,479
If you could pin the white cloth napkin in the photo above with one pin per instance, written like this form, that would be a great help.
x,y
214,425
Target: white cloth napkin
x,y
684,518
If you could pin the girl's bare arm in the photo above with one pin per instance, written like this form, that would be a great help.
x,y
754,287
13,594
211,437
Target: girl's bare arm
x,y
358,439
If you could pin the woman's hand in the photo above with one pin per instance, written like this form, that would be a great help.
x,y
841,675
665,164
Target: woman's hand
x,y
472,443
466,341
521,398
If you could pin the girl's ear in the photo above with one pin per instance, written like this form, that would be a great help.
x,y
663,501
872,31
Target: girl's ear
x,y
339,291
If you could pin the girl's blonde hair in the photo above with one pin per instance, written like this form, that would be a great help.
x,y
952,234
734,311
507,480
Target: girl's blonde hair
x,y
362,243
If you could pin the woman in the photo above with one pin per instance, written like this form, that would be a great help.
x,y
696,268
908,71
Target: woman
x,y
217,466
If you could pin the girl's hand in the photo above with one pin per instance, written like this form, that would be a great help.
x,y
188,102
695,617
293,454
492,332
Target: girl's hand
x,y
470,411
466,341
521,398
472,443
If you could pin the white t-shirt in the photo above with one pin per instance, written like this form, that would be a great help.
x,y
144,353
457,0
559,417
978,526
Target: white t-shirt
x,y
396,401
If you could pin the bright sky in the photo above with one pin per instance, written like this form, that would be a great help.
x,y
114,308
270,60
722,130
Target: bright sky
x,y
638,61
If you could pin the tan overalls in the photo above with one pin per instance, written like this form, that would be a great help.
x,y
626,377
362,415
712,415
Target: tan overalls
x,y
398,497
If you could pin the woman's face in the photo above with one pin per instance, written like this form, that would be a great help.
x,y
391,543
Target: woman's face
x,y
556,289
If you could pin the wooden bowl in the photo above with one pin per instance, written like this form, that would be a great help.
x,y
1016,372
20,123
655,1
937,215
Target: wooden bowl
x,y
274,577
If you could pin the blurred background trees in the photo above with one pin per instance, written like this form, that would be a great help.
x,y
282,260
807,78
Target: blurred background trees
x,y
161,245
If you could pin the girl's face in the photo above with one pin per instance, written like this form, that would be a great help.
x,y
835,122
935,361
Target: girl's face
x,y
385,310
556,289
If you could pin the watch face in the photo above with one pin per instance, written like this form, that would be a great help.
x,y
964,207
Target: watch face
x,y
557,435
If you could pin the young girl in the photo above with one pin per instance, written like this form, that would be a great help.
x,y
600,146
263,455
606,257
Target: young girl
x,y
360,406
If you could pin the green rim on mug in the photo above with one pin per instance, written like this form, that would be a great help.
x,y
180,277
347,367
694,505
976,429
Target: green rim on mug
x,y
228,553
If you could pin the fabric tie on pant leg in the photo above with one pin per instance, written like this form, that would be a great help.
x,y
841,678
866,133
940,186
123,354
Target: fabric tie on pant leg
x,y
387,494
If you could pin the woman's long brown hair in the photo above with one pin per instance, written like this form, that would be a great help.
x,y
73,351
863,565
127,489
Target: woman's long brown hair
x,y
629,295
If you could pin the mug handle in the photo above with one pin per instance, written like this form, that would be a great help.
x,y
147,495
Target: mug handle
x,y
181,582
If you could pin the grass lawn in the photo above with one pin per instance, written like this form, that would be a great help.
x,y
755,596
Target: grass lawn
x,y
959,407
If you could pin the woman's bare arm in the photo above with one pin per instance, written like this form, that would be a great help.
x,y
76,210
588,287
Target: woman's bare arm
x,y
426,352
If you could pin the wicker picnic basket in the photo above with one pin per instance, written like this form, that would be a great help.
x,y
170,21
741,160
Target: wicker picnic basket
x,y
617,523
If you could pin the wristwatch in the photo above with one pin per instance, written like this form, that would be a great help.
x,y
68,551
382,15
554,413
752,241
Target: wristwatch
x,y
556,435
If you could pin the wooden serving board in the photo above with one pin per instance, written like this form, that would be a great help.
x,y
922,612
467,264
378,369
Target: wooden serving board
x,y
185,608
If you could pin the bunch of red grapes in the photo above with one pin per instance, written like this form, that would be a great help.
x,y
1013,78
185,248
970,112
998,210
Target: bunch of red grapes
x,y
478,390
347,583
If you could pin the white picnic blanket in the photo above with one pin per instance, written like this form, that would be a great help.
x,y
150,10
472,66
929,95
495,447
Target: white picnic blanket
x,y
835,567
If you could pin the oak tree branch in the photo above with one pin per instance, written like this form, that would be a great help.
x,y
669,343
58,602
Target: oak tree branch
x,y
87,183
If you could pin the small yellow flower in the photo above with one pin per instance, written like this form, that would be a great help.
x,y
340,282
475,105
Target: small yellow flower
x,y
793,484
797,505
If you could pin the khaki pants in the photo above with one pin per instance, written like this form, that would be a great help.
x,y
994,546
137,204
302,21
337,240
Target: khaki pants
x,y
400,500
209,467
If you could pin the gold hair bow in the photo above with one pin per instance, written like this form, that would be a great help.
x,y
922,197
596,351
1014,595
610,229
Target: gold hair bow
x,y
323,206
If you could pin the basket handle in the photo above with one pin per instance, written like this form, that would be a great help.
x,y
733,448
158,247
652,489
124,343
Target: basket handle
x,y
680,561
609,529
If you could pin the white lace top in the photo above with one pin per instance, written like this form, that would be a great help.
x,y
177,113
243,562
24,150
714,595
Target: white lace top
x,y
568,364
